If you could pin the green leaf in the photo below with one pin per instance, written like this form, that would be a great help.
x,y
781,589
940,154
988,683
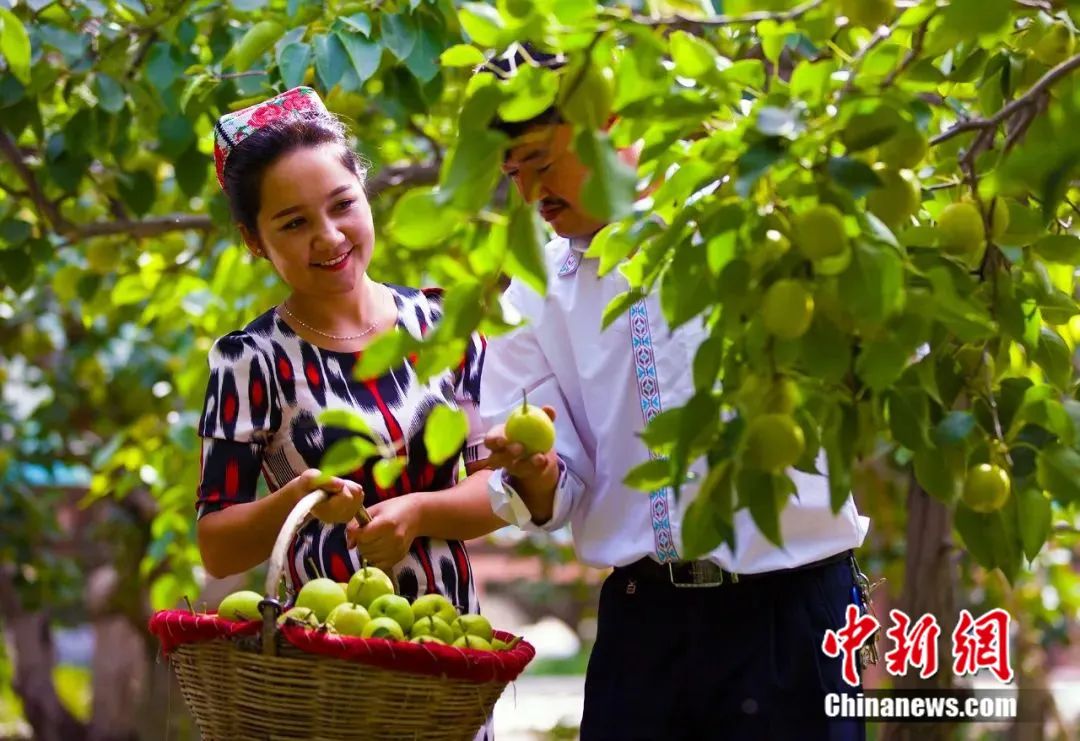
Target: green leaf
x,y
960,314
954,428
15,45
423,60
176,133
649,476
608,192
755,162
347,455
110,94
810,81
346,420
131,289
708,521
257,41
399,33
707,361
471,171
482,23
746,74
293,63
359,22
698,427
14,232
16,269
331,59
872,287
1058,471
532,91
387,471
1055,358
364,54
619,305
162,67
909,417
1063,248
436,358
1040,406
826,350
881,362
612,245
663,430
974,17
763,494
461,55
1035,520
445,433
192,170
138,189
693,57
686,288
975,530
838,437
937,471
854,175
385,353
868,129
420,219
525,254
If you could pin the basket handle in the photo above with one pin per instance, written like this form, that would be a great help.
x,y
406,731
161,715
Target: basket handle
x,y
270,607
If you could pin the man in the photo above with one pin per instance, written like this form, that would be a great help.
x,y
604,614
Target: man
x,y
726,647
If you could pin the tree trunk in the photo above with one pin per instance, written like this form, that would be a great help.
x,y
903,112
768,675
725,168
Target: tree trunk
x,y
1036,703
120,669
30,645
929,588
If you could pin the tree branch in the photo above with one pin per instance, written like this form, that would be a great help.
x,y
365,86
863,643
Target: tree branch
x,y
394,176
47,208
1045,82
716,21
913,53
880,35
150,227
436,148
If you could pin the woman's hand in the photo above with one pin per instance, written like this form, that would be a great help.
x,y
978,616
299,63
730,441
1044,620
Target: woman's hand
x,y
345,499
395,524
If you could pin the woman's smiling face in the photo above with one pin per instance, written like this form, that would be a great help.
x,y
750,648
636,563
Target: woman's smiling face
x,y
314,221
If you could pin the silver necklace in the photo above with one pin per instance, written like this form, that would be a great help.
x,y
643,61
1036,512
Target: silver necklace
x,y
301,322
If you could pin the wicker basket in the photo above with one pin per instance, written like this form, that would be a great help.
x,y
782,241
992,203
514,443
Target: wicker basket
x,y
256,680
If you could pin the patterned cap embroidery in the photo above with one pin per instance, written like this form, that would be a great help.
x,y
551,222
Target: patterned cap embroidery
x,y
233,128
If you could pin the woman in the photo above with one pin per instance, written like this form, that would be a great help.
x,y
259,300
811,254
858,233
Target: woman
x,y
296,191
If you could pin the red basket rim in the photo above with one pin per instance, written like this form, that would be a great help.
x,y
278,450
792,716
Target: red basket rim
x,y
175,628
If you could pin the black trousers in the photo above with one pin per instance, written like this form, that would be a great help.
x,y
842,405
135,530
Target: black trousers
x,y
738,661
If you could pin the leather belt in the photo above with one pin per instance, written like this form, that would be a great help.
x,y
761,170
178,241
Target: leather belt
x,y
691,574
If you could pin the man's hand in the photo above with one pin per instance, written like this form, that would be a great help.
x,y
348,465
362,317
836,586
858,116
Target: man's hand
x,y
512,457
395,524
533,476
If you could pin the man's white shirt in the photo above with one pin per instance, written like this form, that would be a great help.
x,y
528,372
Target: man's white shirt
x,y
604,386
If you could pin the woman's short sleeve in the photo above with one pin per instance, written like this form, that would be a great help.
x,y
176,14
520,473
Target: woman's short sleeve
x,y
234,425
467,395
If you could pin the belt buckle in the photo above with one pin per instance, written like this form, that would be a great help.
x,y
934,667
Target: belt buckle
x,y
701,571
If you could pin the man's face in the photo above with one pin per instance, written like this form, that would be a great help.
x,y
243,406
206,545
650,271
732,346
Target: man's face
x,y
546,171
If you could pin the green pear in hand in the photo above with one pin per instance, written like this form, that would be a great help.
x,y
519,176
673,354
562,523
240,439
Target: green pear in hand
x,y
530,427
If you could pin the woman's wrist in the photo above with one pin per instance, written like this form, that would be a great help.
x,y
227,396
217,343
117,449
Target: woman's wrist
x,y
421,514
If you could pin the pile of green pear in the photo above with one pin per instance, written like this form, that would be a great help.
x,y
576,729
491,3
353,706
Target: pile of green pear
x,y
367,607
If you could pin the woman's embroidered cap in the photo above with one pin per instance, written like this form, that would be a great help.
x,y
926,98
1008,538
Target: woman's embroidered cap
x,y
233,128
